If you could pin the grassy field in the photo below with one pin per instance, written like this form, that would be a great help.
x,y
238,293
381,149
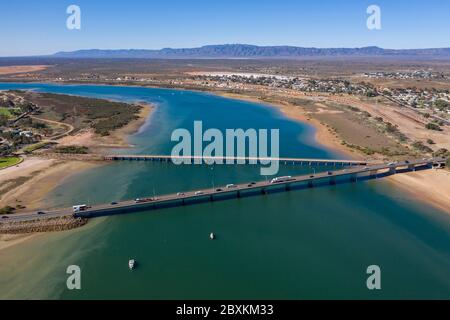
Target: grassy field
x,y
9,162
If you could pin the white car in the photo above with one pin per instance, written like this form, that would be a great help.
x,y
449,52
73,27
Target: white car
x,y
198,193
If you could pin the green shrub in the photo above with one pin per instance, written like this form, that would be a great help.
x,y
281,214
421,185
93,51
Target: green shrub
x,y
421,147
72,150
433,126
7,210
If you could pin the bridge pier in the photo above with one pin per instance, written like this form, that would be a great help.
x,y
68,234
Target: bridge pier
x,y
374,173
412,167
238,194
310,184
263,191
354,178
332,181
393,170
288,187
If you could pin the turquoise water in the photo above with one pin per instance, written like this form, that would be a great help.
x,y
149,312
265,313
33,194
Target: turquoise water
x,y
311,243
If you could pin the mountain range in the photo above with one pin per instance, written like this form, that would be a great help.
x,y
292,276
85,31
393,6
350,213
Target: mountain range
x,y
245,51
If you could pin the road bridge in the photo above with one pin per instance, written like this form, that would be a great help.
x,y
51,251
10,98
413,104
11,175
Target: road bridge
x,y
236,191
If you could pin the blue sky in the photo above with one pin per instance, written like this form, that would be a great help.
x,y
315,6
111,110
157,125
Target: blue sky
x,y
32,27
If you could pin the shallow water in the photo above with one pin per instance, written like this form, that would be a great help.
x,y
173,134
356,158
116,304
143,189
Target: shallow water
x,y
309,243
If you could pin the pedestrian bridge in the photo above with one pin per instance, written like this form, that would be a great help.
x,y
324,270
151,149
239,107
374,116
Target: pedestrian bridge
x,y
238,160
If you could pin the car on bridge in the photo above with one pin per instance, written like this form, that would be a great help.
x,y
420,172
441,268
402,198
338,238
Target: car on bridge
x,y
281,179
40,212
5,217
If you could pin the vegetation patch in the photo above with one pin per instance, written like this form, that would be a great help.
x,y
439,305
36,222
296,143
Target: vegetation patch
x,y
5,112
418,145
9,162
72,150
7,210
103,116
433,126
37,146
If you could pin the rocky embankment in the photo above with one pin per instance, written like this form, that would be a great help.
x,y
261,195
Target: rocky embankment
x,y
45,225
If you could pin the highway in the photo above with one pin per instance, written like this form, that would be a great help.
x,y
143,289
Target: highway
x,y
189,197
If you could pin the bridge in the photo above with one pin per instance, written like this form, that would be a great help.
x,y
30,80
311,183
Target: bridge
x,y
239,160
237,191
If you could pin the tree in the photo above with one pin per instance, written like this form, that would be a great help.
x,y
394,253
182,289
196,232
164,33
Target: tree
x,y
433,126
441,105
421,147
3,120
441,153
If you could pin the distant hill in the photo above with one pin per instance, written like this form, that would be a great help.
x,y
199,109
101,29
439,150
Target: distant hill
x,y
244,51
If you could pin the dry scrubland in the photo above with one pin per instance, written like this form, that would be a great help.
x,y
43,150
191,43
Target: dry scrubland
x,y
82,113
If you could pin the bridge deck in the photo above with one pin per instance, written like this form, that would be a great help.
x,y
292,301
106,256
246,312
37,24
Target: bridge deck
x,y
231,159
185,197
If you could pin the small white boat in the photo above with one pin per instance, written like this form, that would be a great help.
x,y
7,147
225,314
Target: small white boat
x,y
131,264
212,236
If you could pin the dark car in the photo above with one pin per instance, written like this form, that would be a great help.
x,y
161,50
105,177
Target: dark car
x,y
311,176
218,190
40,212
5,217
330,173
114,203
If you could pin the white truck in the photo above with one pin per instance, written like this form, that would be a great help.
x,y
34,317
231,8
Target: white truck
x,y
281,179
79,208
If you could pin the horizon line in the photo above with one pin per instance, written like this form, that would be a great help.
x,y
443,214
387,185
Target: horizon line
x,y
218,45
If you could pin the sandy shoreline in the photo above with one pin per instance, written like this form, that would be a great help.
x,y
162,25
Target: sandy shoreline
x,y
28,183
48,173
117,139
323,135
429,186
